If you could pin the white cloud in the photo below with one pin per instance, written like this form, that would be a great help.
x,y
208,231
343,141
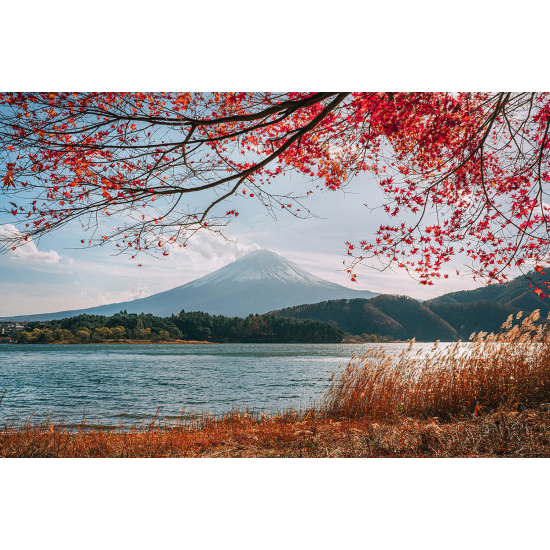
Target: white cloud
x,y
215,248
206,252
124,296
29,251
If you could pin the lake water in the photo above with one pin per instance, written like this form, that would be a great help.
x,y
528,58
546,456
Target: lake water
x,y
123,384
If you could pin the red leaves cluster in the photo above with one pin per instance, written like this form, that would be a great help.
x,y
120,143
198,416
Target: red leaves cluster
x,y
470,168
478,166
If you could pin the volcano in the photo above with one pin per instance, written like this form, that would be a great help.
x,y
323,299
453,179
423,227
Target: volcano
x,y
259,282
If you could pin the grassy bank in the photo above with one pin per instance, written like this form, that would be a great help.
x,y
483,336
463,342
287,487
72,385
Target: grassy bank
x,y
499,434
490,398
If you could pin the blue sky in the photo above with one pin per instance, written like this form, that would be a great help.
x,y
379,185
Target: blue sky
x,y
56,275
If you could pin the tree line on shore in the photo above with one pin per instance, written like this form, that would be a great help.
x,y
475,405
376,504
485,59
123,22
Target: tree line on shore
x,y
194,325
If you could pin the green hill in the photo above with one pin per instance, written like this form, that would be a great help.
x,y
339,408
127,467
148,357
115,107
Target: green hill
x,y
418,321
448,317
516,293
357,316
396,317
486,308
482,315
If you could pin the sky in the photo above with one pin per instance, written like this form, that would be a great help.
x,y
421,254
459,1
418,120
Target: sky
x,y
56,274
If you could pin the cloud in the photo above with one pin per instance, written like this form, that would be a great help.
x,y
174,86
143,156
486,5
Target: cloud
x,y
215,248
206,252
125,296
29,251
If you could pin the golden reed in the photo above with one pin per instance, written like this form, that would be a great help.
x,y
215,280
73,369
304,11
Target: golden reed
x,y
510,369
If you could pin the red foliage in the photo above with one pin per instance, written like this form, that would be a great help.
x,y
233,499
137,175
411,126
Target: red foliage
x,y
479,162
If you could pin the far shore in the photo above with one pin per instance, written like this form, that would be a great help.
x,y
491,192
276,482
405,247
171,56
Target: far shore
x,y
75,342
102,342
145,342
119,342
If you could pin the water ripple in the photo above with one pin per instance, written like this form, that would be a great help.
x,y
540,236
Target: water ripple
x,y
117,384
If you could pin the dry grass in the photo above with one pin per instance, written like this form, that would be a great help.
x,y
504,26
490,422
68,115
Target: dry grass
x,y
490,398
499,434
509,371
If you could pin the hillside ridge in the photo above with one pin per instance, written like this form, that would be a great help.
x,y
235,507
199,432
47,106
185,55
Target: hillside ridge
x,y
388,316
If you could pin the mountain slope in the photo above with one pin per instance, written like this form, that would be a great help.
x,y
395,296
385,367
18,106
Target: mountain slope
x,y
482,315
398,317
256,283
418,321
486,308
516,293
357,316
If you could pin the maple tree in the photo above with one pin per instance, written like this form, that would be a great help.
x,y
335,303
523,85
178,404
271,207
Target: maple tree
x,y
125,164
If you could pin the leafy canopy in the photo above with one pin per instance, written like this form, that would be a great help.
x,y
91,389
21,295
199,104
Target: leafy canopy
x,y
125,165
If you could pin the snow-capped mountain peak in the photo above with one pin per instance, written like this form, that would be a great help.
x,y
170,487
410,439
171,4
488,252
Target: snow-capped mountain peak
x,y
259,265
259,282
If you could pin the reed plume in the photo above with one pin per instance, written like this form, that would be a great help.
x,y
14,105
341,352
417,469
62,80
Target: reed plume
x,y
510,369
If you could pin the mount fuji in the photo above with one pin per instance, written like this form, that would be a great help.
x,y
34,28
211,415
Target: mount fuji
x,y
259,282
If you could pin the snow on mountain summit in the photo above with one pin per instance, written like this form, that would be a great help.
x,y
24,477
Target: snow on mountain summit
x,y
260,265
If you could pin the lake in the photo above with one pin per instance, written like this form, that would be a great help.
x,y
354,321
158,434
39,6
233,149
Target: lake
x,y
123,384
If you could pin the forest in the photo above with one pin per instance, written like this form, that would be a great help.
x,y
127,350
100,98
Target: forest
x,y
384,318
184,326
448,317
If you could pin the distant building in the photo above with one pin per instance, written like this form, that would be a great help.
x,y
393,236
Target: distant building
x,y
11,329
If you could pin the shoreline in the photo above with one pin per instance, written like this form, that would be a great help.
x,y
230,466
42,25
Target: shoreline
x,y
499,434
114,342
500,407
144,342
